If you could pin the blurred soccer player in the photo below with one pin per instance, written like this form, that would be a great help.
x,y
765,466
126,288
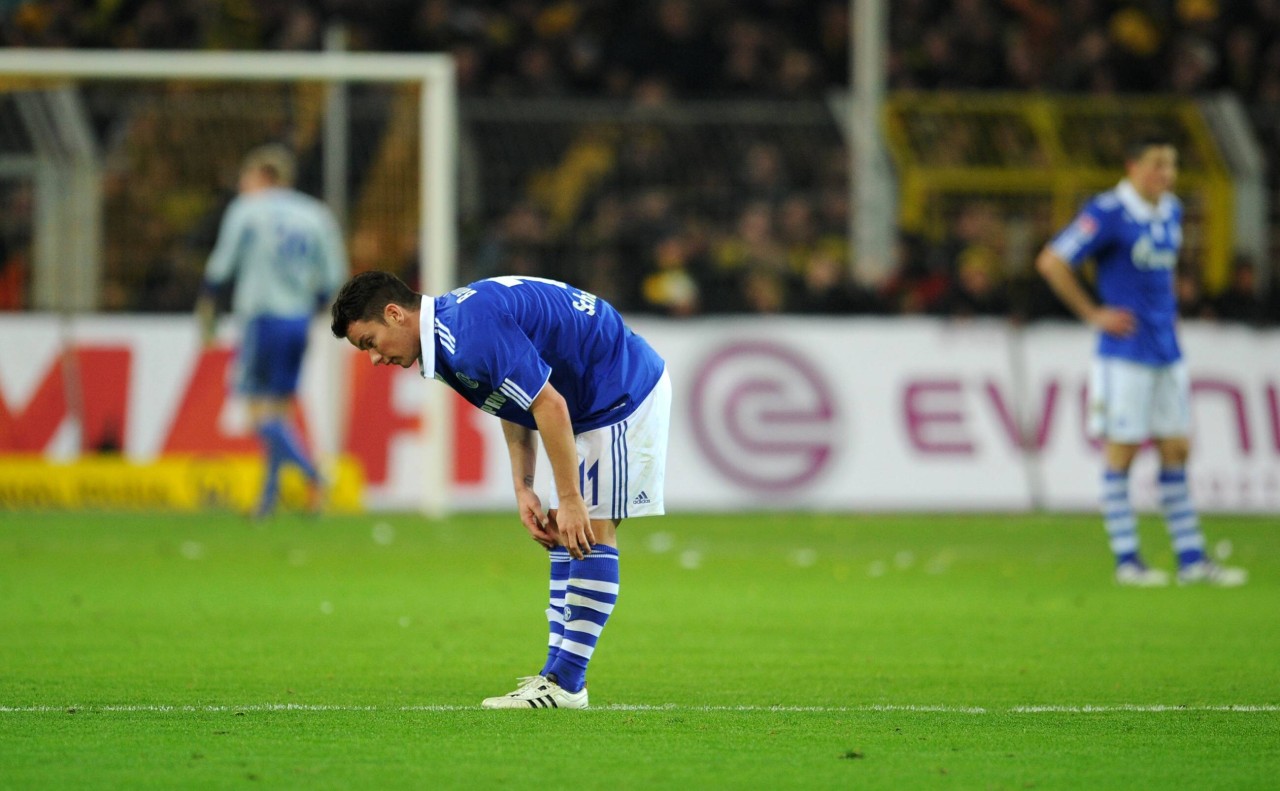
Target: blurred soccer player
x,y
554,362
285,253
1140,388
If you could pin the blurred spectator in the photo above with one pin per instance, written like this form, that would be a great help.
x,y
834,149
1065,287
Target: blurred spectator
x,y
675,48
826,288
1241,300
1241,51
762,176
918,283
754,246
13,279
743,69
1191,301
669,287
976,239
764,291
976,292
15,247
516,246
797,231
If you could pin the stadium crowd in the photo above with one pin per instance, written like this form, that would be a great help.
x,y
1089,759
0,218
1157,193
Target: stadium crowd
x,y
763,230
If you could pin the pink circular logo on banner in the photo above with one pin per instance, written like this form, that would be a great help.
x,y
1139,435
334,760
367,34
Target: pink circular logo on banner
x,y
763,416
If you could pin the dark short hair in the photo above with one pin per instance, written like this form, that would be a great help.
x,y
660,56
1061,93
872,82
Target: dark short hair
x,y
1137,147
365,296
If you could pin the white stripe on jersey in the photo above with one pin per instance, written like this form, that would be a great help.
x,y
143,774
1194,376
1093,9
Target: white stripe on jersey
x,y
513,391
1077,235
446,337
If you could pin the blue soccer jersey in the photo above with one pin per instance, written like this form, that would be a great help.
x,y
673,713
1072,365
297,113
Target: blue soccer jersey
x,y
499,341
1135,246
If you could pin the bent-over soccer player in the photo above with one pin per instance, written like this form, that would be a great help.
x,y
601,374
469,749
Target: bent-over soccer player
x,y
555,362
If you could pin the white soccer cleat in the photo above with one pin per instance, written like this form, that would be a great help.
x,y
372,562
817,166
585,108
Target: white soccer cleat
x,y
1207,572
522,683
538,692
1137,575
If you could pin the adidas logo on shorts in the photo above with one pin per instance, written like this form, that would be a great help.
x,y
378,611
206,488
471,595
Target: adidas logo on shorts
x,y
641,499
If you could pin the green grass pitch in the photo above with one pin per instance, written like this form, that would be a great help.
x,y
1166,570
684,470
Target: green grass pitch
x,y
747,651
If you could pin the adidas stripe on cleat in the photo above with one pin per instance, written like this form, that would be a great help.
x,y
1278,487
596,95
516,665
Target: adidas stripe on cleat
x,y
1135,574
1206,572
538,692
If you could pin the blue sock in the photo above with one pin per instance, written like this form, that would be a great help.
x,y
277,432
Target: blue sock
x,y
288,446
591,594
274,461
1180,516
555,608
1118,516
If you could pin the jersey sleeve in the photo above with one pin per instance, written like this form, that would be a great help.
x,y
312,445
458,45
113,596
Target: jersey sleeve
x,y
497,351
1086,234
227,250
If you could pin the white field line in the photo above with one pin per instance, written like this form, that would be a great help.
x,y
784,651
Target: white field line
x,y
887,708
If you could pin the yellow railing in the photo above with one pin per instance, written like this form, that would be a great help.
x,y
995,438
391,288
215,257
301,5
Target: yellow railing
x,y
1040,157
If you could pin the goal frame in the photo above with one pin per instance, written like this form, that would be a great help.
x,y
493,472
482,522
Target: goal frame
x,y
438,126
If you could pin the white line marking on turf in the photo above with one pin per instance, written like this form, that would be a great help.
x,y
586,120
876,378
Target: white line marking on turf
x,y
1144,709
875,708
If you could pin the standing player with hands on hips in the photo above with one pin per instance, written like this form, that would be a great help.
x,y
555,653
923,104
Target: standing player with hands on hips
x,y
1139,388
557,363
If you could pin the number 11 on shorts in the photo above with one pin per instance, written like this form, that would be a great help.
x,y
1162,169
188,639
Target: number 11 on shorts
x,y
591,476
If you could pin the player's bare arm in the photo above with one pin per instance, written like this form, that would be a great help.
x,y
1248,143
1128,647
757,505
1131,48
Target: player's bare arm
x,y
572,518
522,446
1062,279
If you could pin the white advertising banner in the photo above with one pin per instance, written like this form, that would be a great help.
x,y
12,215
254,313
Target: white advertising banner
x,y
768,412
1235,401
791,413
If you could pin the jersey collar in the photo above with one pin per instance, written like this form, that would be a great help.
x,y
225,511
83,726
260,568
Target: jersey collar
x,y
427,334
1139,208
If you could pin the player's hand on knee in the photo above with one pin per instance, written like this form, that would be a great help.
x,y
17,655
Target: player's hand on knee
x,y
574,523
534,520
550,536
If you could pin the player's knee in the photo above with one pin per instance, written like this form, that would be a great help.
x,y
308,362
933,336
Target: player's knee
x,y
1120,455
605,531
1174,451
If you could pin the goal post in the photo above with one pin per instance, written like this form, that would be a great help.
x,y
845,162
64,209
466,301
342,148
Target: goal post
x,y
437,177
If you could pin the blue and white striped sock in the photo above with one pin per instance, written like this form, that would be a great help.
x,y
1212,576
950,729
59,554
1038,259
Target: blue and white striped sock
x,y
1118,516
588,601
1180,515
555,606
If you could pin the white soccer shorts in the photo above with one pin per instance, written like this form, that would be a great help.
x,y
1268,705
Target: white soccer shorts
x,y
622,467
1130,403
